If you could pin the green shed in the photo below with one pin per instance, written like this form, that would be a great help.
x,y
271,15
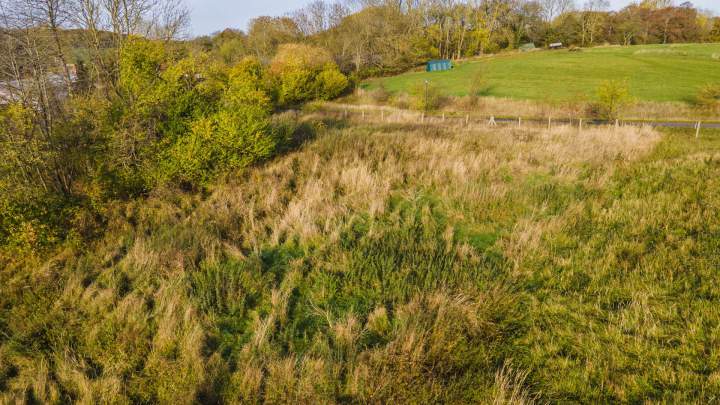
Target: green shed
x,y
439,65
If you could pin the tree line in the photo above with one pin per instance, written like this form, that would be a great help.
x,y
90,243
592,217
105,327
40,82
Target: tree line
x,y
369,37
103,102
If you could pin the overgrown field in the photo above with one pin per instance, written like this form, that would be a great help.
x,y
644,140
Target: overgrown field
x,y
394,263
661,73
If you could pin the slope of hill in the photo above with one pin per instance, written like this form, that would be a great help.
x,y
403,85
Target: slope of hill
x,y
653,73
393,263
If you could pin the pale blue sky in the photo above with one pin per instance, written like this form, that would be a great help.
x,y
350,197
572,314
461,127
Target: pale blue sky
x,y
213,15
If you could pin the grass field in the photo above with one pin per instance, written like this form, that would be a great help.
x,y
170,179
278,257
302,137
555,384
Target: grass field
x,y
653,73
394,263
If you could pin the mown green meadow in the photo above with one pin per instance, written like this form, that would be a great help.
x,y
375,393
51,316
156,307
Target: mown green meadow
x,y
661,73
394,263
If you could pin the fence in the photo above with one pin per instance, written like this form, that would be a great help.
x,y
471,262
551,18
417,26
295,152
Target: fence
x,y
390,115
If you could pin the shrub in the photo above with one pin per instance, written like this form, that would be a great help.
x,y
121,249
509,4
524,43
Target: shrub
x,y
304,72
479,86
427,97
237,135
197,119
39,174
293,56
612,96
714,35
380,95
709,96
402,100
140,65
330,83
295,86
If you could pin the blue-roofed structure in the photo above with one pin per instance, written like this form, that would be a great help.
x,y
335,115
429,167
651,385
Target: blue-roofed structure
x,y
439,65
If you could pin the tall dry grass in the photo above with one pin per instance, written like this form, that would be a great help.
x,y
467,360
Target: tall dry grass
x,y
507,107
375,264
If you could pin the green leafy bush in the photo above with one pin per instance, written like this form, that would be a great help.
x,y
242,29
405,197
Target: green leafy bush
x,y
612,97
140,66
330,83
304,72
236,135
44,175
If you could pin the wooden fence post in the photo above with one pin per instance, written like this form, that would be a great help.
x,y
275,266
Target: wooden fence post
x,y
580,125
697,131
443,117
467,119
549,123
422,118
519,122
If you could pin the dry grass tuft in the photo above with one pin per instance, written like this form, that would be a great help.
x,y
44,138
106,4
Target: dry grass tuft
x,y
509,387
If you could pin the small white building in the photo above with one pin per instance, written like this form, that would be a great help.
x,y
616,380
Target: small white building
x,y
11,90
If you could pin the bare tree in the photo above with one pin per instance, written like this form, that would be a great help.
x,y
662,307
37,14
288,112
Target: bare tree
x,y
320,16
29,60
592,19
169,20
657,4
554,8
597,5
118,19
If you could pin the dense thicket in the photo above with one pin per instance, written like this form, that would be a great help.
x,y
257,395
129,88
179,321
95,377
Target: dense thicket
x,y
380,36
116,109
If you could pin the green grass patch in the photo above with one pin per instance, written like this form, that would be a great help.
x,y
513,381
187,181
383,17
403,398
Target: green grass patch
x,y
627,314
653,73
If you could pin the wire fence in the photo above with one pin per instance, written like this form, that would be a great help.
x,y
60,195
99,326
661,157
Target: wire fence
x,y
391,115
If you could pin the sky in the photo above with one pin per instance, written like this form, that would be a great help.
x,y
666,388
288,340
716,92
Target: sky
x,y
209,16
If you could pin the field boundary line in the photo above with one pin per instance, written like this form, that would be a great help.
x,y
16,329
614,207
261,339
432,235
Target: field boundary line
x,y
368,111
